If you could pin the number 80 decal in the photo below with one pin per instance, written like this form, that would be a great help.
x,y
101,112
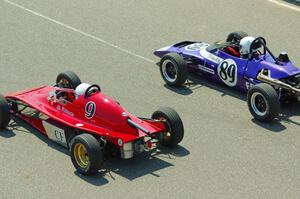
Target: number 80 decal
x,y
227,71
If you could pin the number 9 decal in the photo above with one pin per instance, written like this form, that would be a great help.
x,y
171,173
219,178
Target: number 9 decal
x,y
227,71
90,109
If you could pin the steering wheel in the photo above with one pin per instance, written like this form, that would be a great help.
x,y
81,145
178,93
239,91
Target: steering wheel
x,y
91,89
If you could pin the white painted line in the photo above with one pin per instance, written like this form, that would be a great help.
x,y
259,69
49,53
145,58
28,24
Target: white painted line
x,y
78,31
285,5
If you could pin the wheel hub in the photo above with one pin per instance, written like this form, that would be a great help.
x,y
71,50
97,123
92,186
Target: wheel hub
x,y
169,71
259,104
81,155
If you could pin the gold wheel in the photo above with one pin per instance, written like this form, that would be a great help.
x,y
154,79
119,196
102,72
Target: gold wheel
x,y
166,136
81,156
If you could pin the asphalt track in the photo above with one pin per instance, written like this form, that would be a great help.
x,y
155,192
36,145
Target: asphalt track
x,y
225,153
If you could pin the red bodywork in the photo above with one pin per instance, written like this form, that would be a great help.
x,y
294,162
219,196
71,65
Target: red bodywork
x,y
109,119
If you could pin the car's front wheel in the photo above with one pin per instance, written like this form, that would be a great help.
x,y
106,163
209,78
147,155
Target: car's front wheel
x,y
86,154
174,127
173,69
263,102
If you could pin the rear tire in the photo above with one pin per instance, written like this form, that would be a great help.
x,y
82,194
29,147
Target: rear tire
x,y
263,102
173,69
68,79
4,112
235,37
86,154
174,125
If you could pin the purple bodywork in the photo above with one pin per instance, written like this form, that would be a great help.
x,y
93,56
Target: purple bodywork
x,y
239,73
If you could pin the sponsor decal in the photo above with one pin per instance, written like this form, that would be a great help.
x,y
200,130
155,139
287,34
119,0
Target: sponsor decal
x,y
90,109
63,109
206,69
227,71
60,135
211,57
249,85
196,46
54,133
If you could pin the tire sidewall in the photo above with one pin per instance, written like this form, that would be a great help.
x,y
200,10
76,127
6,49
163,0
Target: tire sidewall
x,y
238,35
95,156
272,102
179,65
4,112
71,77
177,131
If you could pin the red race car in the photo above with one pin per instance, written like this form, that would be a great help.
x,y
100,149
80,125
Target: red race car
x,y
80,117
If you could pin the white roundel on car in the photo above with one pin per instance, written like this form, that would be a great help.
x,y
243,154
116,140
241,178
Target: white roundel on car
x,y
196,46
227,71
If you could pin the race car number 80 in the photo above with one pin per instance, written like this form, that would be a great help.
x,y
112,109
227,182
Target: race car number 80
x,y
227,71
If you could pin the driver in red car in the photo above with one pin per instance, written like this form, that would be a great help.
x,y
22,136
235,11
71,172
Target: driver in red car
x,y
66,94
80,89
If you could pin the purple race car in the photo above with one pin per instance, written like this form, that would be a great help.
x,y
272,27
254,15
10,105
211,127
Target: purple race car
x,y
242,62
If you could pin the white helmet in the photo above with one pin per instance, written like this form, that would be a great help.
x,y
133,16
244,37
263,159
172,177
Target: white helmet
x,y
245,45
80,89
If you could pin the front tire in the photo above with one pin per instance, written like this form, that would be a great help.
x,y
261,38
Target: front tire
x,y
174,126
68,79
173,69
263,102
4,112
86,154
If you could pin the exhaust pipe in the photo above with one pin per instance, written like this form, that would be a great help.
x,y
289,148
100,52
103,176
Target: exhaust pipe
x,y
269,80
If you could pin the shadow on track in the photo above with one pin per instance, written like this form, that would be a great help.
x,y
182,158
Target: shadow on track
x,y
18,125
142,164
197,81
7,133
294,2
146,163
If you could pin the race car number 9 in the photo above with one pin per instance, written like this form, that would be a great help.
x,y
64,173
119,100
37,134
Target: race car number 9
x,y
90,109
227,71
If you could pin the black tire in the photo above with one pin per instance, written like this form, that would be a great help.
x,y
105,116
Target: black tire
x,y
70,78
263,102
173,64
174,125
93,151
4,112
235,37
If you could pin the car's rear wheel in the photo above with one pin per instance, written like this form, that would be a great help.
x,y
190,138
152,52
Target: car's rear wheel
x,y
174,126
86,154
173,69
4,112
235,37
68,79
263,102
